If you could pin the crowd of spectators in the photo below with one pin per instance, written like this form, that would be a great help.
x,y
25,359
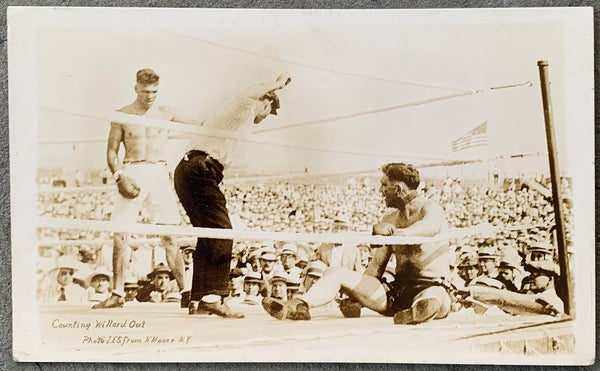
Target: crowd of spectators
x,y
524,220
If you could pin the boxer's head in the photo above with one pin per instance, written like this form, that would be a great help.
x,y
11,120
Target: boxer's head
x,y
398,182
146,87
269,104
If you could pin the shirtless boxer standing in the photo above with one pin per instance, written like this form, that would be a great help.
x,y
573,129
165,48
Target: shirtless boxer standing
x,y
416,295
142,178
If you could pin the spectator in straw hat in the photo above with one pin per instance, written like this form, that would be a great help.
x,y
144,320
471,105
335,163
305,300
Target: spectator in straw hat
x,y
487,258
509,270
254,263
131,289
288,259
59,286
279,285
98,283
540,251
252,285
268,261
468,266
160,286
236,280
293,286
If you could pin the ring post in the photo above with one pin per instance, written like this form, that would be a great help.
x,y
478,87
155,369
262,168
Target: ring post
x,y
563,286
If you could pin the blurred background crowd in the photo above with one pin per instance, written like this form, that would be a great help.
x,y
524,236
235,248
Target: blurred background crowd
x,y
522,250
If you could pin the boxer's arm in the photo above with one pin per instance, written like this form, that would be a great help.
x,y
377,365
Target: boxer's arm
x,y
112,149
381,258
178,116
430,225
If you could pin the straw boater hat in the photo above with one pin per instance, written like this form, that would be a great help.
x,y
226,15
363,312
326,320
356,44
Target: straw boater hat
x,y
161,268
279,277
268,256
510,259
67,262
254,254
253,277
488,252
293,283
290,249
99,271
541,246
268,252
131,283
467,259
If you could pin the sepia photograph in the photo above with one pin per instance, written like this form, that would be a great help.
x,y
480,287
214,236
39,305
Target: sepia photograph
x,y
262,185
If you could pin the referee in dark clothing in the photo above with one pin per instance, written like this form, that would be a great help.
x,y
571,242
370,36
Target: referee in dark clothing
x,y
197,178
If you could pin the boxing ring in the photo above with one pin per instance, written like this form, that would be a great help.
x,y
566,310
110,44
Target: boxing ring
x,y
139,328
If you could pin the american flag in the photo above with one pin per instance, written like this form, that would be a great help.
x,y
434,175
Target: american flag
x,y
473,138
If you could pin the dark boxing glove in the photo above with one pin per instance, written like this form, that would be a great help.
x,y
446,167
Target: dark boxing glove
x,y
128,188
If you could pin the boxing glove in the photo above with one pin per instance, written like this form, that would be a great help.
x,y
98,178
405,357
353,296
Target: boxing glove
x,y
128,188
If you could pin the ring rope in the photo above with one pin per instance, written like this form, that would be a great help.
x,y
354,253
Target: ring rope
x,y
230,234
396,107
305,65
364,113
185,241
218,133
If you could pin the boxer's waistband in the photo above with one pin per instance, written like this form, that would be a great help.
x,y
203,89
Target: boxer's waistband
x,y
136,162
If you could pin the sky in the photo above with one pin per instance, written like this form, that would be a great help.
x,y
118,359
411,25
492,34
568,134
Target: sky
x,y
340,62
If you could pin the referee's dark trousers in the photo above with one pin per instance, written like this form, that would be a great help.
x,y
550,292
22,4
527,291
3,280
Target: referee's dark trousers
x,y
197,178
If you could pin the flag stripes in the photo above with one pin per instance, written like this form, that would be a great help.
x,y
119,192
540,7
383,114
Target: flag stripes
x,y
474,138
